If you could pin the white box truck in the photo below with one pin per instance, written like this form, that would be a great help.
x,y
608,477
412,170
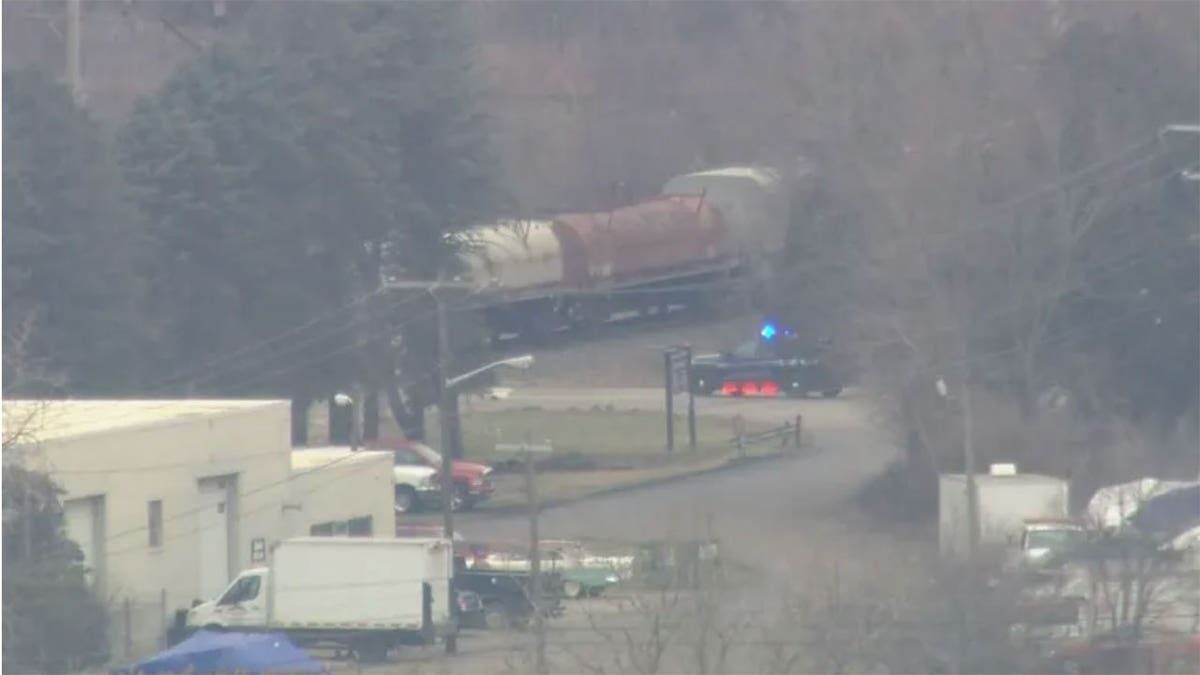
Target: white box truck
x,y
1007,502
368,594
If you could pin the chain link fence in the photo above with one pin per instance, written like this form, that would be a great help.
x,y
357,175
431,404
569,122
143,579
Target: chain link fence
x,y
138,626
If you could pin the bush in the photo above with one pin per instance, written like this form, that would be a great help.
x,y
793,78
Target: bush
x,y
53,623
901,494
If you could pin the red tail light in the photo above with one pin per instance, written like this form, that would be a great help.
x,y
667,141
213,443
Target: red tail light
x,y
730,389
769,388
750,388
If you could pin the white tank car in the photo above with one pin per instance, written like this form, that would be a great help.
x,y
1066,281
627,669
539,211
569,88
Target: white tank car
x,y
753,200
513,257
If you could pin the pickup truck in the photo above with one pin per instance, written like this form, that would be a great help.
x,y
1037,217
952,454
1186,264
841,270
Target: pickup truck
x,y
472,482
774,363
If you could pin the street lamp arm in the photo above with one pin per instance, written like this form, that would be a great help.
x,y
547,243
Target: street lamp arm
x,y
523,361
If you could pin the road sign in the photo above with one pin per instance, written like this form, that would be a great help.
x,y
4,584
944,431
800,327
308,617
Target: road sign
x,y
533,448
677,370
678,359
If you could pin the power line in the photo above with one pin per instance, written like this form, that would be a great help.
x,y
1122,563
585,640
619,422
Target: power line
x,y
256,378
243,514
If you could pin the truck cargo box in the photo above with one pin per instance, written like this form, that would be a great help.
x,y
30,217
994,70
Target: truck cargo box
x,y
1005,503
347,583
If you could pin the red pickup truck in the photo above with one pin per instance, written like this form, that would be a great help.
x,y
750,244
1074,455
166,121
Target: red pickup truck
x,y
471,482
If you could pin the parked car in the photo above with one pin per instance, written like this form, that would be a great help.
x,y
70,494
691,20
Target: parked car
x,y
416,487
472,484
506,596
584,571
582,575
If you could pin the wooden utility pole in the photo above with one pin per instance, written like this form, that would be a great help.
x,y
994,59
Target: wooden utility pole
x,y
535,566
691,413
969,471
446,424
526,451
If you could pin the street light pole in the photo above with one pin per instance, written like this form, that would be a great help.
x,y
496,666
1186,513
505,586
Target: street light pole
x,y
448,422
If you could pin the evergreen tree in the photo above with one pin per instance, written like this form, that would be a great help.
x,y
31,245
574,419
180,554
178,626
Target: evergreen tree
x,y
53,623
233,200
73,245
282,177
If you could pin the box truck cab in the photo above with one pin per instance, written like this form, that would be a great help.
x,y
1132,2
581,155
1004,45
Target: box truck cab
x,y
368,594
243,604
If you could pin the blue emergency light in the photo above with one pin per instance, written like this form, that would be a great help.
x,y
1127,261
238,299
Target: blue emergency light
x,y
768,331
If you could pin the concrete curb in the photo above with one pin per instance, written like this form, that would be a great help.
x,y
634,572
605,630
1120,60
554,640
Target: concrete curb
x,y
728,465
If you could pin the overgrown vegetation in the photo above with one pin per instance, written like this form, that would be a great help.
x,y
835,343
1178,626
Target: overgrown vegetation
x,y
267,185
53,621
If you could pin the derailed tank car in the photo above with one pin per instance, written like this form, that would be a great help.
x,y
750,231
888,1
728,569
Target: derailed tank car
x,y
538,276
578,269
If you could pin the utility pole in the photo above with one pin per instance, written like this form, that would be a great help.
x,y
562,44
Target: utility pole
x,y
535,565
446,389
526,451
356,419
691,413
73,59
446,423
969,471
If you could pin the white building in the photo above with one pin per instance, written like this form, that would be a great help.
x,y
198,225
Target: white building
x,y
170,499
337,492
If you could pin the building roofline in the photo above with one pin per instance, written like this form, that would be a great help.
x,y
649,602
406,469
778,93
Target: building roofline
x,y
79,418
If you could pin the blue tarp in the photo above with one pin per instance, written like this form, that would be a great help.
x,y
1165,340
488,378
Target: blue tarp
x,y
241,653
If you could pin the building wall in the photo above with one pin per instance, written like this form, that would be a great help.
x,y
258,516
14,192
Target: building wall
x,y
222,480
172,462
356,485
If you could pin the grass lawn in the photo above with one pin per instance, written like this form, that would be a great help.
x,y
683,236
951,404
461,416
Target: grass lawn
x,y
555,486
611,437
607,436
600,449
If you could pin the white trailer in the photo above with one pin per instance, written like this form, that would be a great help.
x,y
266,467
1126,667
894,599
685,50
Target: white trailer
x,y
368,594
1006,503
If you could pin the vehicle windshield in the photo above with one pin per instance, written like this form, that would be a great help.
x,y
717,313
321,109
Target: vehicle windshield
x,y
243,590
1054,539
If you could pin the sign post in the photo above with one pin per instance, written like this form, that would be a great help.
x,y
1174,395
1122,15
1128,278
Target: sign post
x,y
677,376
669,375
526,450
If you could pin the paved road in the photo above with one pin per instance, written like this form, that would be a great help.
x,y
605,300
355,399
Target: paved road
x,y
766,513
771,515
595,635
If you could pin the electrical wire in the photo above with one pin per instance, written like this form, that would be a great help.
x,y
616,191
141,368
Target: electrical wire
x,y
259,377
346,459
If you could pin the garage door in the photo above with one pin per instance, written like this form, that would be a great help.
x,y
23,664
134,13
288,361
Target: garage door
x,y
214,511
84,523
